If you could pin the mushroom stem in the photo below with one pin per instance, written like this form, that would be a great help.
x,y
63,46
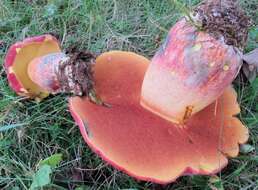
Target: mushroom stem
x,y
195,65
61,73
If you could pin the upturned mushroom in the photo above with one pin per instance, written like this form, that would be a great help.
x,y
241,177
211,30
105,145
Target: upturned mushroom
x,y
141,143
144,145
113,91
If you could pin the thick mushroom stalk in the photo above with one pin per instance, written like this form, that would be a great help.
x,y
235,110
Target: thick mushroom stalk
x,y
58,72
194,67
36,67
43,71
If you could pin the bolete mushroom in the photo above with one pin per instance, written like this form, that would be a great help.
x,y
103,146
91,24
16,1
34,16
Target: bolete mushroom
x,y
191,73
145,145
36,67
125,134
200,58
18,58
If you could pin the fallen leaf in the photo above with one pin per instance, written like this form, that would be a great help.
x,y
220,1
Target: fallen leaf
x,y
41,177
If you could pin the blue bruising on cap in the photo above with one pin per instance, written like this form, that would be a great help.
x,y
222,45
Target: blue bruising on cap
x,y
163,47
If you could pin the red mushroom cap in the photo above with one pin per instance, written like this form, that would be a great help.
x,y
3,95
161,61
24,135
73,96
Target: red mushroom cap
x,y
144,145
18,58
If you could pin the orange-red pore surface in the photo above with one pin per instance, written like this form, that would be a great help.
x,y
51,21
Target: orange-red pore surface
x,y
144,145
190,71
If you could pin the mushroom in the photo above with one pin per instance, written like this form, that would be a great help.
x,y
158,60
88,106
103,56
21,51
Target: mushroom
x,y
66,73
118,128
200,58
36,67
120,96
144,145
18,58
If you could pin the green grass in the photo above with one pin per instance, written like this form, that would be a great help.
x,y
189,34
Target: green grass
x,y
39,130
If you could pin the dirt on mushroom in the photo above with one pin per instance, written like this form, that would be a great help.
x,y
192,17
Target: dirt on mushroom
x,y
200,57
224,18
76,74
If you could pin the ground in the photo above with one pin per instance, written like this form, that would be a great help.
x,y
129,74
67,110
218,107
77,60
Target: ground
x,y
31,131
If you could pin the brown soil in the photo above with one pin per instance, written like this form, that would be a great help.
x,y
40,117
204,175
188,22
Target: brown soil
x,y
226,18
